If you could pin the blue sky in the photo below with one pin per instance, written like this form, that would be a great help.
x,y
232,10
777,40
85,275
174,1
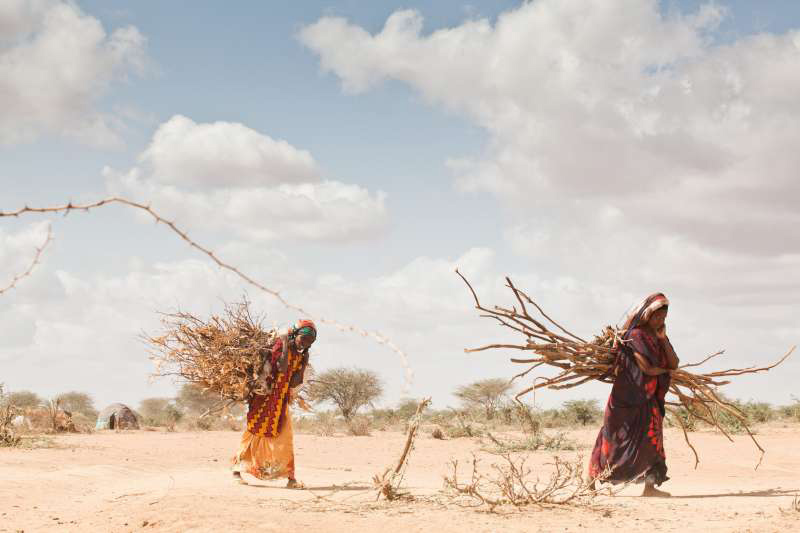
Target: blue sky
x,y
523,205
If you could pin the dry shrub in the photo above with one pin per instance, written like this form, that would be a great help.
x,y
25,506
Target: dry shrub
x,y
324,424
532,443
462,424
437,433
359,426
8,438
509,481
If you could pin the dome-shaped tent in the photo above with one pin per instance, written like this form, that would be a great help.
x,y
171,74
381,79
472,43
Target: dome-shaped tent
x,y
117,416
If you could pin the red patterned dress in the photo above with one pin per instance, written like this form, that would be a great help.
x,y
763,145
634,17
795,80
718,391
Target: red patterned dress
x,y
631,441
267,447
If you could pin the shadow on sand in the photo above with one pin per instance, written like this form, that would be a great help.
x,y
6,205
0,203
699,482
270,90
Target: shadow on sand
x,y
767,493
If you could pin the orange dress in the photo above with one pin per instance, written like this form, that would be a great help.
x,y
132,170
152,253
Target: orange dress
x,y
266,450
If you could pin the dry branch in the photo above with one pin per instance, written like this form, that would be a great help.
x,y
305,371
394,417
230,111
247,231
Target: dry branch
x,y
388,484
69,207
34,263
581,361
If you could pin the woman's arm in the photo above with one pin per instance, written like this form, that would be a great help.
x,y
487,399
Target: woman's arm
x,y
672,357
646,368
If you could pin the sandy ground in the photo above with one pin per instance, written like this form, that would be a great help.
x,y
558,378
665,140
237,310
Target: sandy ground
x,y
158,481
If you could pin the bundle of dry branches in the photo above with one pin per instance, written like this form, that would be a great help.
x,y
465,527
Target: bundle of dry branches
x,y
581,361
512,482
224,354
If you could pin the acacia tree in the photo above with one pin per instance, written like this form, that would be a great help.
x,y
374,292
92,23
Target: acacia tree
x,y
348,389
486,393
583,411
77,402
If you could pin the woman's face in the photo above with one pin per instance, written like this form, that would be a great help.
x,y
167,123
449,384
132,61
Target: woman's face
x,y
657,319
304,342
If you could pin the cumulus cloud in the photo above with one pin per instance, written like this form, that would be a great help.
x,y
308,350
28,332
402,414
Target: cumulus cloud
x,y
592,106
226,176
55,62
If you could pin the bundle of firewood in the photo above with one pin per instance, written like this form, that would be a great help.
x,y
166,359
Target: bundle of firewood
x,y
224,354
580,361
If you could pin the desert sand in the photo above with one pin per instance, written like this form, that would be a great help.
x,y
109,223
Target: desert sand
x,y
160,481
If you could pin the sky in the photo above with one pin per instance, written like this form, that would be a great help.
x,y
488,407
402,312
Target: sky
x,y
353,154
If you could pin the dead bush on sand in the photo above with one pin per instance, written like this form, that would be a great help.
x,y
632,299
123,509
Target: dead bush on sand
x,y
510,481
532,443
359,426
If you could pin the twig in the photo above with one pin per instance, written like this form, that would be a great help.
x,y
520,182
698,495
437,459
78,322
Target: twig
x,y
36,260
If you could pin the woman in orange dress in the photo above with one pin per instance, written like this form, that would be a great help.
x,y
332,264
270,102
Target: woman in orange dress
x,y
267,448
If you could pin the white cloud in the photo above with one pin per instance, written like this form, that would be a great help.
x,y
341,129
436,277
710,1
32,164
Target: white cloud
x,y
634,153
224,154
597,105
226,176
55,62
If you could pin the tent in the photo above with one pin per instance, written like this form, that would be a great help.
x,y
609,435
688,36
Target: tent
x,y
117,416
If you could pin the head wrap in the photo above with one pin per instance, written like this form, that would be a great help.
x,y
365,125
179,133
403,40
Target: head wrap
x,y
306,327
640,313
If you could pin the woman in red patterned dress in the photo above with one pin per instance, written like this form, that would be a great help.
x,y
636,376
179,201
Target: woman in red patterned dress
x,y
631,443
267,447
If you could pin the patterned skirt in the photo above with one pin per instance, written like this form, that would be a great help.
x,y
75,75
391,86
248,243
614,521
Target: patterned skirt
x,y
267,457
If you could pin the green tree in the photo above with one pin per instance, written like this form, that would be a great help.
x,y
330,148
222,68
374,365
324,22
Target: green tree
x,y
348,389
487,394
583,411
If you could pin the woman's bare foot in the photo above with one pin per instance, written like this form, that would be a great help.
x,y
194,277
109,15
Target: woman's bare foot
x,y
651,492
237,476
294,484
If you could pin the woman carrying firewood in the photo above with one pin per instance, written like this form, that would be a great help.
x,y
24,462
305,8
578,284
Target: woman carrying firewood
x,y
267,449
631,443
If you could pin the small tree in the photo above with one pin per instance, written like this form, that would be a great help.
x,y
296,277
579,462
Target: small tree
x,y
407,407
77,403
583,411
193,400
487,394
24,399
159,412
348,389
